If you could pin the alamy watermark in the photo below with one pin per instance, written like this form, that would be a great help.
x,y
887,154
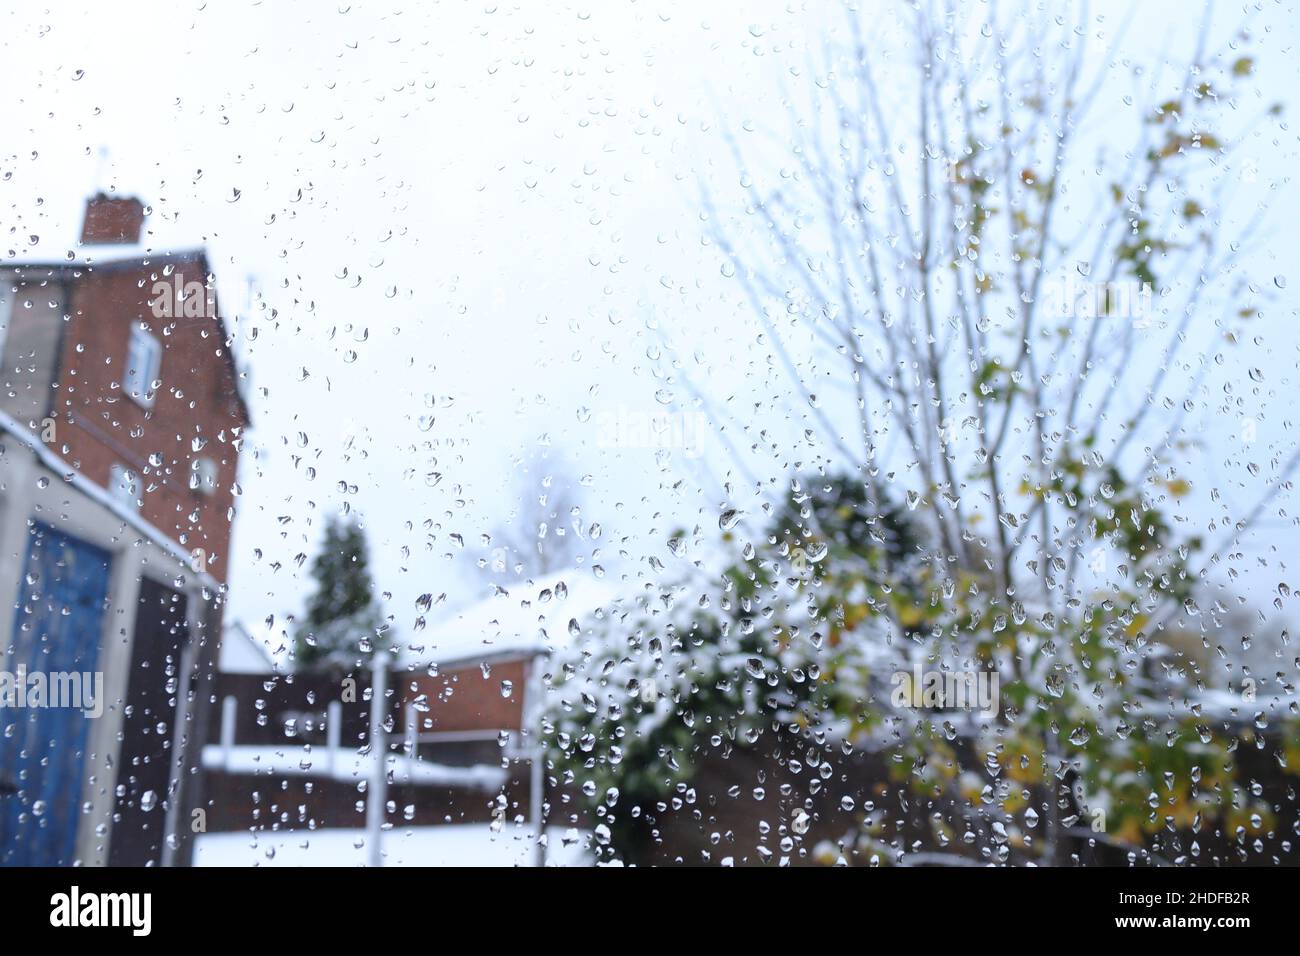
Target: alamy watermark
x,y
76,908
656,431
175,298
947,690
1074,297
83,690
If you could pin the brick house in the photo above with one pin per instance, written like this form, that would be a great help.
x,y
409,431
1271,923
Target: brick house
x,y
470,689
120,427
461,706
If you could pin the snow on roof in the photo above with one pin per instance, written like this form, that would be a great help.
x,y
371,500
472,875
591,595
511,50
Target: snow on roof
x,y
55,244
103,255
528,618
242,653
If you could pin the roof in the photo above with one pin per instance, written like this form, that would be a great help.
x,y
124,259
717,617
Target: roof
x,y
241,653
531,617
106,255
99,257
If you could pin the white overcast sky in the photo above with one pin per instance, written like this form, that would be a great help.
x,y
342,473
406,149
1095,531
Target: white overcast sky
x,y
475,223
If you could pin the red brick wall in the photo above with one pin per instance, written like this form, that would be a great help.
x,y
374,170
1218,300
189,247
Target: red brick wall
x,y
463,699
99,424
109,219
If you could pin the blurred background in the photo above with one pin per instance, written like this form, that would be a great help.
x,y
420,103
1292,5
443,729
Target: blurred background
x,y
534,321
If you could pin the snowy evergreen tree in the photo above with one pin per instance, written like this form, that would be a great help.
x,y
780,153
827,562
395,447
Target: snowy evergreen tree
x,y
343,624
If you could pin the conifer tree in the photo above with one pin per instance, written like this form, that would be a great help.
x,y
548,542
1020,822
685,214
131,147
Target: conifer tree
x,y
342,624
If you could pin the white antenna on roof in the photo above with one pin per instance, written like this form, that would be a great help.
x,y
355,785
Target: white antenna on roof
x,y
100,177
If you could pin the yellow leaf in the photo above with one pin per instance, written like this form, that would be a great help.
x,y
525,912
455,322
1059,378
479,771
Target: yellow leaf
x,y
910,616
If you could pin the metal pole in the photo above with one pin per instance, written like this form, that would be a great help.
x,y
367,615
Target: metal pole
x,y
333,734
379,751
535,800
229,712
412,726
532,729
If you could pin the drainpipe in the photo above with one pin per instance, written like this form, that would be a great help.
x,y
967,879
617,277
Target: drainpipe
x,y
333,733
378,788
536,750
411,723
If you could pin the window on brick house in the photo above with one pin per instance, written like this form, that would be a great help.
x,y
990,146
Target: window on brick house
x,y
203,476
143,359
124,486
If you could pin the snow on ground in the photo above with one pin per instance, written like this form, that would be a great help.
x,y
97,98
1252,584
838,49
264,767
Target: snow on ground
x,y
346,765
468,844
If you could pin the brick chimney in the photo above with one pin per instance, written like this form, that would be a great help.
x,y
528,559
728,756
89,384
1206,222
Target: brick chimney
x,y
112,220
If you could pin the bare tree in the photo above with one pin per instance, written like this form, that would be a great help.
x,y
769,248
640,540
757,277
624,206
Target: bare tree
x,y
543,533
1021,302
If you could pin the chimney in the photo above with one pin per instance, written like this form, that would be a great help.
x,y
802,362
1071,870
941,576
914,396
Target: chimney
x,y
112,220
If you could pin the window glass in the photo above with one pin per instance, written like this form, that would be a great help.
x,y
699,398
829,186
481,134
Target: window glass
x,y
142,363
204,477
750,433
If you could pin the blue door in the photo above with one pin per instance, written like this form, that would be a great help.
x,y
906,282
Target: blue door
x,y
57,628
